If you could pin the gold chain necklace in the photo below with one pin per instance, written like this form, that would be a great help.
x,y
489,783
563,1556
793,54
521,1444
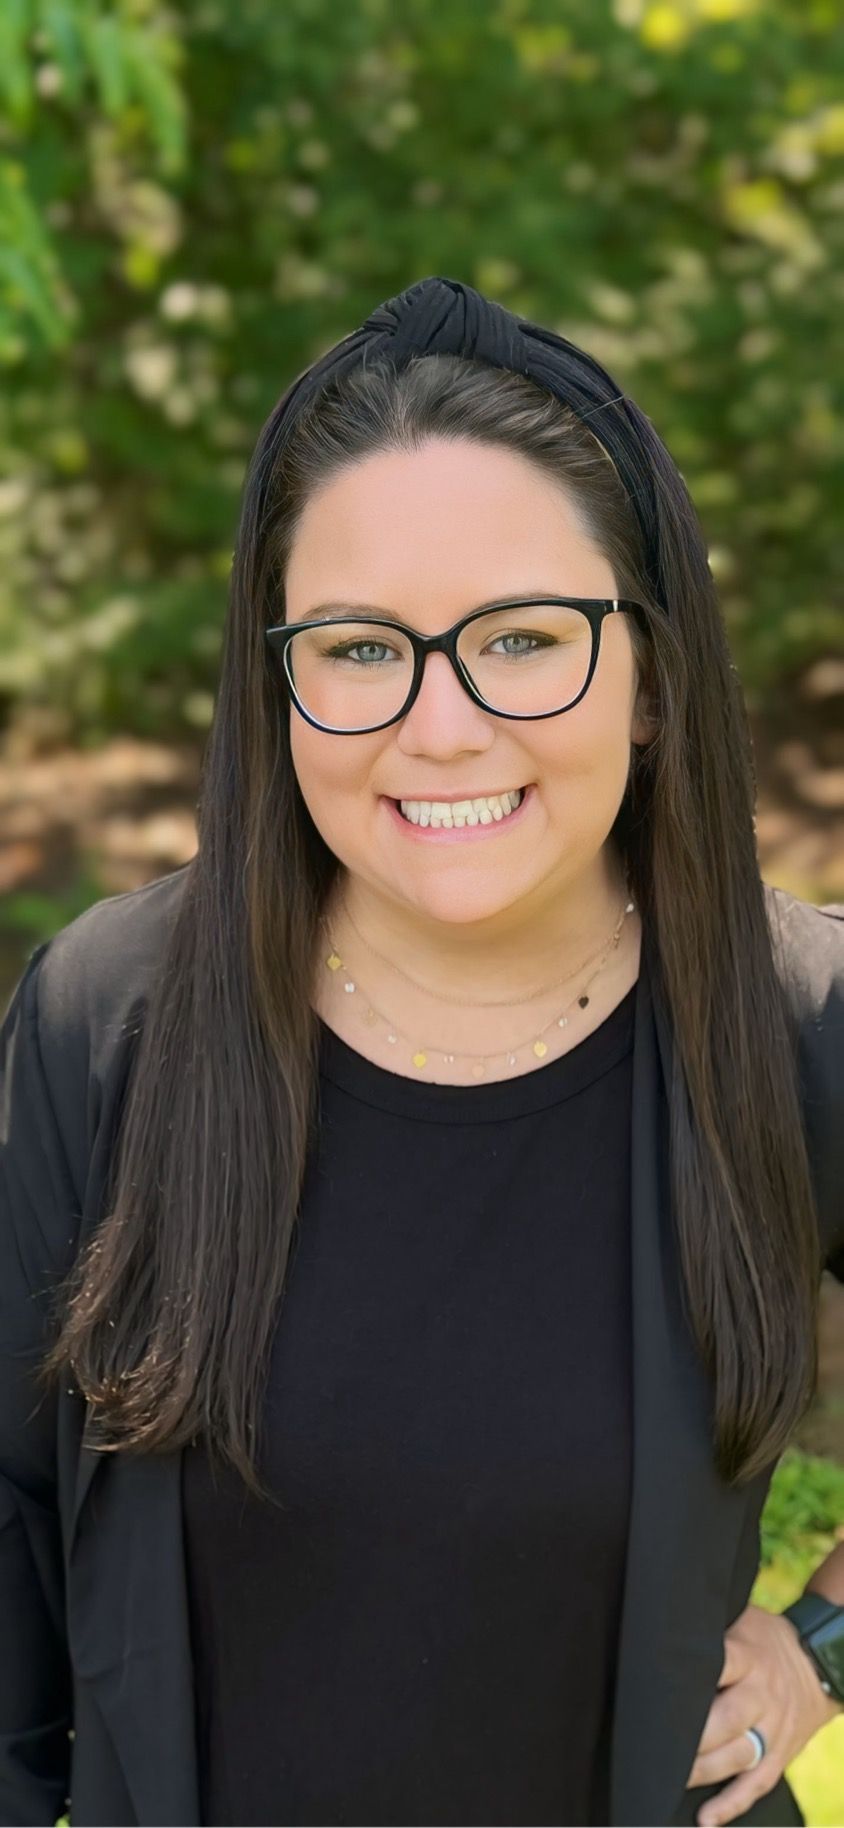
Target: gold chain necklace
x,y
420,1055
474,1003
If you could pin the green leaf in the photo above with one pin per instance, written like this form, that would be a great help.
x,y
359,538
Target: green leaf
x,y
161,95
28,267
16,85
106,45
59,19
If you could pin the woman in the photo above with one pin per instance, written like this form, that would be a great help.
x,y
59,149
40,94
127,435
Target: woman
x,y
429,1184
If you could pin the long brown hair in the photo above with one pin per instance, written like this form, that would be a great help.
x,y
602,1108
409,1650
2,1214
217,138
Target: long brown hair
x,y
167,1315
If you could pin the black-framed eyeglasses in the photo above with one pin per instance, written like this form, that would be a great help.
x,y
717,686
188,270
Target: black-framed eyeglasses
x,y
522,657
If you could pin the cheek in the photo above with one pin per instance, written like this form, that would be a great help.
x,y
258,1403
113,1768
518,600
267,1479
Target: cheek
x,y
597,739
590,743
583,771
334,775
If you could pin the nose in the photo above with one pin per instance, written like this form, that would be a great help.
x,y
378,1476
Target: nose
x,y
443,719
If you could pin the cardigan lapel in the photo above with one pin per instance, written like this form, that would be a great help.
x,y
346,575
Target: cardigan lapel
x,y
129,1625
127,1588
685,1521
128,1616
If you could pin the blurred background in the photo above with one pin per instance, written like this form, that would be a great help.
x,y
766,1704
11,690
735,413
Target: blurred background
x,y
197,199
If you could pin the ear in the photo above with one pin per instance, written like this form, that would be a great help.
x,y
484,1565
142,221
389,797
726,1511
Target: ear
x,y
645,722
643,731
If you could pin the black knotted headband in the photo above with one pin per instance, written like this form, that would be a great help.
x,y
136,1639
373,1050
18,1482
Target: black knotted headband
x,y
438,316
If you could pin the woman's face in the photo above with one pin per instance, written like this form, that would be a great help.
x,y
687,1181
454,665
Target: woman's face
x,y
426,536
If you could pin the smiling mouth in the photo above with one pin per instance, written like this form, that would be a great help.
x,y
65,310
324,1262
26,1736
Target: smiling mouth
x,y
468,816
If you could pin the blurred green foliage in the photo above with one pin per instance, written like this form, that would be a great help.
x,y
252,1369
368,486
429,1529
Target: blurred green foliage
x,y
803,1511
197,198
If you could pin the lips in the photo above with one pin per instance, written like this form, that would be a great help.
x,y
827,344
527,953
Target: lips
x,y
455,799
459,834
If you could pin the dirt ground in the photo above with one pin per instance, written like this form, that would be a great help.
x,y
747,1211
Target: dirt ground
x,y
78,825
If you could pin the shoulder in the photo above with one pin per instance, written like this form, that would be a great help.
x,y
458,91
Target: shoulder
x,y
808,945
808,949
65,1040
82,990
94,968
808,942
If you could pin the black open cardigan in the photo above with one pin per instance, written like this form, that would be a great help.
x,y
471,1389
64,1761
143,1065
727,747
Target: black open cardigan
x,y
96,1682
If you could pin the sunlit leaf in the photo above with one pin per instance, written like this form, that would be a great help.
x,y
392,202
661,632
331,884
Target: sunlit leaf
x,y
664,27
16,84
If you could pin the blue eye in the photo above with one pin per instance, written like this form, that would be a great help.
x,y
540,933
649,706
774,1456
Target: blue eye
x,y
345,650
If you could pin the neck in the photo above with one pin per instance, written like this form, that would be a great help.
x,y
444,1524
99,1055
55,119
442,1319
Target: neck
x,y
523,947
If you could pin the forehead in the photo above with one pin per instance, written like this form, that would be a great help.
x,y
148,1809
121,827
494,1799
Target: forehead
x,y
454,522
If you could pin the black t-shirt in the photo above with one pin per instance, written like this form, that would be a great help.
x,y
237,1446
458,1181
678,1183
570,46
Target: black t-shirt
x,y
427,1632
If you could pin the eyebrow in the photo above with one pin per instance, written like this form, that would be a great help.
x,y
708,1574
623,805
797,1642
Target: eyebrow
x,y
390,615
346,609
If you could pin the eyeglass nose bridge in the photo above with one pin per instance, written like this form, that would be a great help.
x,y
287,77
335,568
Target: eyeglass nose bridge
x,y
446,643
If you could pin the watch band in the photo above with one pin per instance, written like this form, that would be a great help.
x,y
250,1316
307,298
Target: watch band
x,y
819,1623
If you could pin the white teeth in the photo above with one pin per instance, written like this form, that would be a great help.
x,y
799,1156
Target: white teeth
x,y
444,814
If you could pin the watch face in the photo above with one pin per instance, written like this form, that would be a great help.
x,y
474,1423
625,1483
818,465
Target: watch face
x,y
827,1643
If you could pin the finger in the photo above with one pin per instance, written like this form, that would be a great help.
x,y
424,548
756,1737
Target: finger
x,y
738,1660
729,1759
740,1795
729,1714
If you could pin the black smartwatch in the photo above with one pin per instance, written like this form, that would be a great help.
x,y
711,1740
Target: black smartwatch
x,y
820,1626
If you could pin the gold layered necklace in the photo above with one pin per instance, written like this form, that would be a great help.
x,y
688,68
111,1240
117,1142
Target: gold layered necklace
x,y
423,1054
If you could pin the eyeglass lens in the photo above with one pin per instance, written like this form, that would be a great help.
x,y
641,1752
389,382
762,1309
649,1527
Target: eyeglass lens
x,y
351,675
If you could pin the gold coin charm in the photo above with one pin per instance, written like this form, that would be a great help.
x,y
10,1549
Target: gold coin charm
x,y
540,1049
333,962
419,1059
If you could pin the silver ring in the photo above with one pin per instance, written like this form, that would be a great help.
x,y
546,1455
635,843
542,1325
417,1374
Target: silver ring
x,y
757,1740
